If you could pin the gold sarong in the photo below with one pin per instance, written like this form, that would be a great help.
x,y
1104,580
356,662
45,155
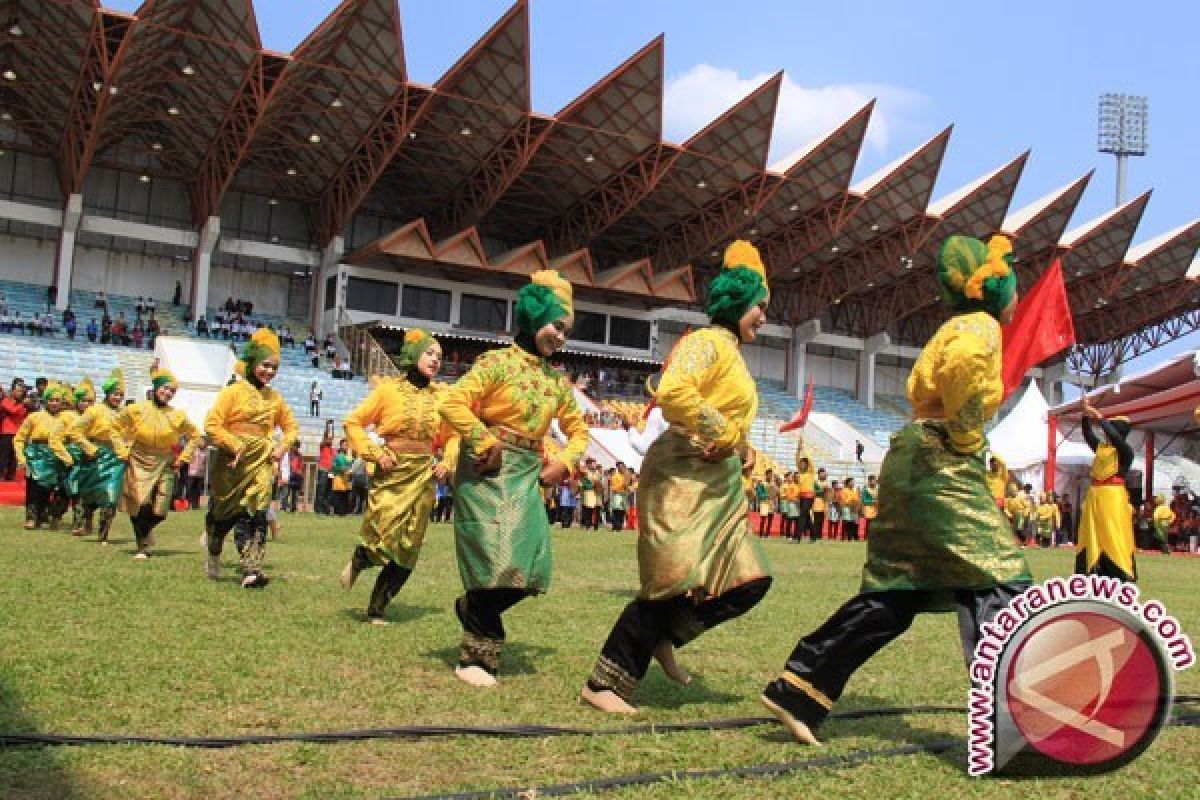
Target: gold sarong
x,y
149,480
398,508
248,486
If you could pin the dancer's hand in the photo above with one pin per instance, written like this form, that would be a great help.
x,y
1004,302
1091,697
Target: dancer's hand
x,y
439,471
386,460
714,453
490,460
553,473
278,454
749,459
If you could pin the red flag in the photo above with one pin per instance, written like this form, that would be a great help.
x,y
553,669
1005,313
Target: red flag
x,y
801,417
1041,327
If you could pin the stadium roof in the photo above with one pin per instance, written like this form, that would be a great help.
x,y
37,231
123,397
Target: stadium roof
x,y
464,176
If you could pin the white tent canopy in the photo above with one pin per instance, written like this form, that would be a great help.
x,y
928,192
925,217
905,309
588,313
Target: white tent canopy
x,y
1020,438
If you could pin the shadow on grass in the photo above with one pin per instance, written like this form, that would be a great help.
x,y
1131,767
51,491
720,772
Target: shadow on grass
x,y
28,770
397,613
517,658
658,692
163,553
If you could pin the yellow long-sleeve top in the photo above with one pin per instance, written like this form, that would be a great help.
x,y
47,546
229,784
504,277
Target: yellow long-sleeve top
x,y
806,480
997,480
40,427
98,426
848,498
243,410
1164,516
708,391
521,392
1018,506
618,483
957,378
1047,514
400,410
146,426
789,491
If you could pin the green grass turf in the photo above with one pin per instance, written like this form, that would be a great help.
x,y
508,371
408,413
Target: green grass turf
x,y
93,642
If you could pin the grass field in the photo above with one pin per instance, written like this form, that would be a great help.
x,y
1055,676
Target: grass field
x,y
93,642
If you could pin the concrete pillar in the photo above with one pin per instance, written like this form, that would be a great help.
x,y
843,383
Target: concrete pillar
x,y
797,374
866,367
65,260
331,257
1053,377
202,265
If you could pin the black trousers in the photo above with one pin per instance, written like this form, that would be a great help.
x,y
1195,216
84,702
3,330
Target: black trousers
x,y
249,536
480,613
144,522
618,520
806,504
388,583
764,524
626,654
37,502
8,458
818,522
566,514
823,661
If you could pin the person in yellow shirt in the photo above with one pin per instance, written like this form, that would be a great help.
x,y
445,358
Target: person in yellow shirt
x,y
618,487
1164,518
79,398
1048,519
1106,519
502,410
789,496
806,485
939,542
849,505
403,411
997,479
40,453
869,498
241,426
152,429
103,470
698,559
1019,508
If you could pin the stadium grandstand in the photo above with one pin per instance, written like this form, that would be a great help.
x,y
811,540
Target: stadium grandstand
x,y
165,150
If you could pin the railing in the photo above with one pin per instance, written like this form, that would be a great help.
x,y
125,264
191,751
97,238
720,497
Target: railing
x,y
367,356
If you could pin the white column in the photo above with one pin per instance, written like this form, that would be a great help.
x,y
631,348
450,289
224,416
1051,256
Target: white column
x,y
1053,376
866,367
65,261
331,256
202,265
804,333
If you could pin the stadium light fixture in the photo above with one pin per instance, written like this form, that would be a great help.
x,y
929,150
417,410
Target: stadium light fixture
x,y
753,231
97,86
794,207
315,138
589,158
291,171
6,116
156,147
835,249
874,227
1124,131
465,131
335,102
271,201
173,111
188,69
701,184
144,178
9,75
15,29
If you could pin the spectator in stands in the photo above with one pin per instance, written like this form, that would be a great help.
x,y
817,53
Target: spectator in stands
x,y
47,323
69,324
314,400
568,493
178,296
101,300
139,334
106,328
285,334
151,305
295,479
196,470
18,325
3,305
339,475
140,306
322,501
310,345
329,347
201,327
34,326
92,330
230,306
152,330
859,450
51,296
120,330
12,413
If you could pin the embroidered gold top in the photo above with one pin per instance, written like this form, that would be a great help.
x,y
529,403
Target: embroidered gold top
x,y
1047,514
98,426
519,391
147,427
399,410
707,389
40,427
243,410
957,378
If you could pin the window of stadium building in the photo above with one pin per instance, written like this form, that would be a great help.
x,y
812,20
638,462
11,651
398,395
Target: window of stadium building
x,y
483,313
589,327
422,303
378,297
330,292
630,332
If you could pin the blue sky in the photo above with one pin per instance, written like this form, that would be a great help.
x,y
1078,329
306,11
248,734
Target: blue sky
x,y
1008,75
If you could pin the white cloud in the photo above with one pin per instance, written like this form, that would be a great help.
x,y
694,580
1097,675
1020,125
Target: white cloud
x,y
700,95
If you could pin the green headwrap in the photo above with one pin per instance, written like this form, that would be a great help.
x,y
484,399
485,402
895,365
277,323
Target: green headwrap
x,y
258,348
536,307
55,390
416,342
975,276
734,292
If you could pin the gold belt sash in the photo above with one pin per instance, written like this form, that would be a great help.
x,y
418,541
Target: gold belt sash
x,y
247,429
415,447
518,440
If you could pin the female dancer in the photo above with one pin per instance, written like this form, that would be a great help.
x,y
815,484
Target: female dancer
x,y
81,399
699,561
41,454
152,428
241,425
103,470
1106,518
501,534
939,541
404,412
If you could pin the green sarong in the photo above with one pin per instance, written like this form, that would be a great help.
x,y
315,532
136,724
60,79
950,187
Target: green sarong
x,y
100,479
501,533
72,479
938,526
43,467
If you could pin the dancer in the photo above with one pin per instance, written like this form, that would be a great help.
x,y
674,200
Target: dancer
x,y
1106,519
1048,519
869,497
939,542
997,479
83,396
404,412
44,459
699,561
1164,518
501,534
152,428
103,470
241,425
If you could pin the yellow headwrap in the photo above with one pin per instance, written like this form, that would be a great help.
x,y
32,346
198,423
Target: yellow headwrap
x,y
560,286
84,390
161,377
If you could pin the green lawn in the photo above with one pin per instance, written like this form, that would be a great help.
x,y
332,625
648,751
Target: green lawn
x,y
93,642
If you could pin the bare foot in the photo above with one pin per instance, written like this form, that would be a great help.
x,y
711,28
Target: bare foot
x,y
664,654
798,729
349,576
607,701
478,677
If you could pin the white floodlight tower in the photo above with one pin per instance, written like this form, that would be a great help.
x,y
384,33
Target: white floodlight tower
x,y
1124,130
